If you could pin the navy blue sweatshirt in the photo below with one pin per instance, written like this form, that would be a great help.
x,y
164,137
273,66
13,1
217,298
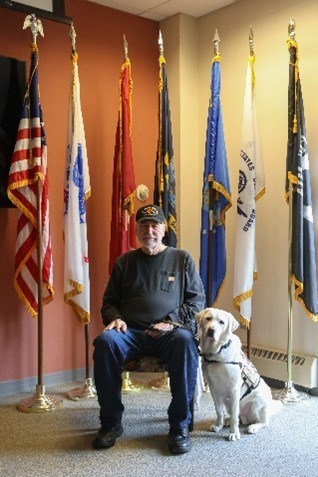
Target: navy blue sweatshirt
x,y
145,289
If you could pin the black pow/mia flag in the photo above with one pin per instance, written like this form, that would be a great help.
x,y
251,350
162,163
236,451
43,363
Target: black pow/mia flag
x,y
302,251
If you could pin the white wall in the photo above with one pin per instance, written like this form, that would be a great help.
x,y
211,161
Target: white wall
x,y
269,20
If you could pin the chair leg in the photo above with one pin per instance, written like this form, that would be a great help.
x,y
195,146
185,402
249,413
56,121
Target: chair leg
x,y
166,380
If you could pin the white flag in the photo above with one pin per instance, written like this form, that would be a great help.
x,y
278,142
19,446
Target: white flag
x,y
76,192
250,188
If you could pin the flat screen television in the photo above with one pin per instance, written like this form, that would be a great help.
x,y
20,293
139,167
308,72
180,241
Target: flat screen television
x,y
12,90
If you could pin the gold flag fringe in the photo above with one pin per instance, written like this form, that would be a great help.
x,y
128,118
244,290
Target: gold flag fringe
x,y
299,287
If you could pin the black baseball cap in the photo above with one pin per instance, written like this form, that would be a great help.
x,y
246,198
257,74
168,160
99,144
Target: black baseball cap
x,y
150,212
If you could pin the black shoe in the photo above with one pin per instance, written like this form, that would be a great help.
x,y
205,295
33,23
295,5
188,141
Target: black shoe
x,y
107,436
178,441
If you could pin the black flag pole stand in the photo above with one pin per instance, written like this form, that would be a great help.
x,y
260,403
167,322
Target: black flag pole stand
x,y
39,402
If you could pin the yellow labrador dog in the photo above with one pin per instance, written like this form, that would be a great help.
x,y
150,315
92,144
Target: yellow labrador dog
x,y
238,391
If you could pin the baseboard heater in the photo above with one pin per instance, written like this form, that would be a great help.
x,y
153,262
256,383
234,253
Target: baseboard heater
x,y
272,364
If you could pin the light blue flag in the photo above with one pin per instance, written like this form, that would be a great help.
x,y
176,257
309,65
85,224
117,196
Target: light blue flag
x,y
216,195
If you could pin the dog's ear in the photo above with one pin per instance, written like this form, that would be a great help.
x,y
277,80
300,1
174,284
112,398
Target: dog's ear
x,y
199,316
233,323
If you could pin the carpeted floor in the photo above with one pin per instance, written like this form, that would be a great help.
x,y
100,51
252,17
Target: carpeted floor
x,y
58,443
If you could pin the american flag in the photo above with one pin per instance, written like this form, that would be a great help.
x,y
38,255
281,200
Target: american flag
x,y
28,190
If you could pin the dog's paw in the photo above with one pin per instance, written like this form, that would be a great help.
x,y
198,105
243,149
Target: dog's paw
x,y
235,436
253,428
216,428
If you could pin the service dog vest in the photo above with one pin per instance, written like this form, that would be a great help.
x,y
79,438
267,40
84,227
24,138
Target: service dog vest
x,y
249,373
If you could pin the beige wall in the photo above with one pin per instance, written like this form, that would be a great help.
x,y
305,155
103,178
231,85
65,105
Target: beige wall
x,y
192,49
180,34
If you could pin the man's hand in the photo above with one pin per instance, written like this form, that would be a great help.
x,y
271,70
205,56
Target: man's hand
x,y
162,326
118,325
158,329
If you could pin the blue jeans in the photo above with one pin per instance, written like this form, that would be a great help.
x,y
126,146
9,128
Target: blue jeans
x,y
177,348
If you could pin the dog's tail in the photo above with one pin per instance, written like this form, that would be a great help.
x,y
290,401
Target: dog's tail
x,y
276,406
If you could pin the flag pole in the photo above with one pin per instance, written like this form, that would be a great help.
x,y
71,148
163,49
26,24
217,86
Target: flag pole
x,y
127,385
87,390
248,330
289,393
39,402
164,382
159,167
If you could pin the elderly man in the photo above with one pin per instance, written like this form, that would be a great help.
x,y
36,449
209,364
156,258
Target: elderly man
x,y
149,308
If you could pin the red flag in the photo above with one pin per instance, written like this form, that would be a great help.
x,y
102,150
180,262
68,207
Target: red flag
x,y
28,190
122,224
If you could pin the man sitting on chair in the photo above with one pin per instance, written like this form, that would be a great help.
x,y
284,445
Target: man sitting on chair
x,y
149,308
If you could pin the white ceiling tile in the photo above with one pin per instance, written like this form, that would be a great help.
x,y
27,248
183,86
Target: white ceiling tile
x,y
161,9
153,15
195,8
117,5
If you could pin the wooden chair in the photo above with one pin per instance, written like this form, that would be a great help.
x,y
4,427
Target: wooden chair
x,y
149,364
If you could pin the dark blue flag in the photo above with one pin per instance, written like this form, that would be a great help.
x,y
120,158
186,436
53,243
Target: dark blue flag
x,y
216,195
302,251
165,184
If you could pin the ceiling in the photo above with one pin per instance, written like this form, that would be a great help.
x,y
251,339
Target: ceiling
x,y
161,9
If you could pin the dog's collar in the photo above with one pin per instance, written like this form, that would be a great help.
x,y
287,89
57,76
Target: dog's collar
x,y
226,345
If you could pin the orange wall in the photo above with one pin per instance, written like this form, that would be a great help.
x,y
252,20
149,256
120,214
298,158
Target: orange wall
x,y
99,44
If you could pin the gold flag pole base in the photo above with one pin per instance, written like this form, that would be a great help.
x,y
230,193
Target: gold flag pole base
x,y
289,394
87,391
39,402
127,386
162,383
